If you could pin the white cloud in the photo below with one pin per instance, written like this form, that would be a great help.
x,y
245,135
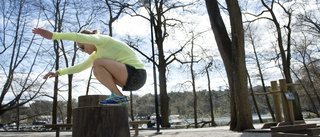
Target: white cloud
x,y
39,23
133,26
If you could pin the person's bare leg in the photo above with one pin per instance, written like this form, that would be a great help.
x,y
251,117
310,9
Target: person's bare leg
x,y
110,73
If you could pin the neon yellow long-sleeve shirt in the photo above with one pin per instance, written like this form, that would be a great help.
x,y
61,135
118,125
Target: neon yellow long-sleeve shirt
x,y
107,47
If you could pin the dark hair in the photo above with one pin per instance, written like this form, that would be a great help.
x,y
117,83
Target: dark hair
x,y
90,32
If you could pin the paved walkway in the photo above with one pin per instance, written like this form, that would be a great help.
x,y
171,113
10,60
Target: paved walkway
x,y
220,131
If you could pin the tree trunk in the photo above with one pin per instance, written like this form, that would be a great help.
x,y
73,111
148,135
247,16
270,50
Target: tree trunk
x,y
70,78
243,111
164,98
69,105
262,82
55,88
194,90
213,123
285,58
254,99
233,56
57,28
18,116
131,106
89,81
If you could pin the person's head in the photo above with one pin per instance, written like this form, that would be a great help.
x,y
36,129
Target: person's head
x,y
88,48
90,32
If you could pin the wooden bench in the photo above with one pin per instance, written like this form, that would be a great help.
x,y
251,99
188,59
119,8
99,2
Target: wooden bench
x,y
300,130
57,127
136,127
313,131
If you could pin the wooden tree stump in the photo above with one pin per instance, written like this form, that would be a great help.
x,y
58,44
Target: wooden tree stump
x,y
90,100
99,121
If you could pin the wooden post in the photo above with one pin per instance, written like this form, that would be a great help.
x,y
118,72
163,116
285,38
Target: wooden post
x,y
276,101
98,121
90,100
291,112
287,105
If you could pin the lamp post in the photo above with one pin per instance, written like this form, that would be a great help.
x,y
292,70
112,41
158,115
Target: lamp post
x,y
147,5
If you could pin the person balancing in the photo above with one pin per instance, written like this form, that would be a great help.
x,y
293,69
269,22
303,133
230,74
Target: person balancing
x,y
114,62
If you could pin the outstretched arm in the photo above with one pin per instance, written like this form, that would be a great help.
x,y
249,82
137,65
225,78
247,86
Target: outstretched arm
x,y
43,32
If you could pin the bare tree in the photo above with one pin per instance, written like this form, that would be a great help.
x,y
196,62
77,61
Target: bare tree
x,y
115,9
309,25
304,57
19,62
284,53
207,69
307,20
161,23
54,12
192,61
251,38
233,56
213,123
83,19
254,99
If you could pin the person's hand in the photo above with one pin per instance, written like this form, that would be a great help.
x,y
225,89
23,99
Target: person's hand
x,y
51,74
44,33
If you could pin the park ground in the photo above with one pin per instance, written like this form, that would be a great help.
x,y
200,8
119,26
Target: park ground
x,y
219,131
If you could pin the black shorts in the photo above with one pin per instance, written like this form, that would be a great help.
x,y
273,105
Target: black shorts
x,y
136,78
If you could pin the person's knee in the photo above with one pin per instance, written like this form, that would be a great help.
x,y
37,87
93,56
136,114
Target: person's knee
x,y
101,61
97,62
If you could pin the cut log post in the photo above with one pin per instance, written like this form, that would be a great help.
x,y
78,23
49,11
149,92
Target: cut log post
x,y
276,101
99,121
90,100
287,105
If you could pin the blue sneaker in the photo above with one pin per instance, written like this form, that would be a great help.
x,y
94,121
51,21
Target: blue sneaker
x,y
115,99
